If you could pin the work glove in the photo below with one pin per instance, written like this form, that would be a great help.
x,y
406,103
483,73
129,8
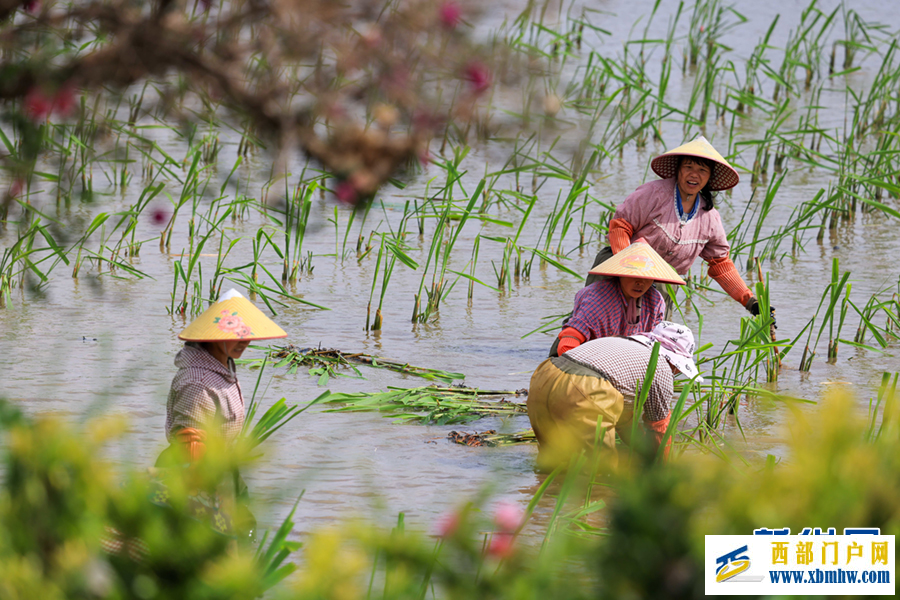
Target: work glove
x,y
569,338
753,308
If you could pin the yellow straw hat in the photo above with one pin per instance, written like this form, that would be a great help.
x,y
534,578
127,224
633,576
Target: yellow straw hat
x,y
641,261
233,317
723,176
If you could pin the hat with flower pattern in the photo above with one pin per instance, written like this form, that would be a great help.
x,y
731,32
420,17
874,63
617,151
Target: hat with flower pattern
x,y
638,260
233,317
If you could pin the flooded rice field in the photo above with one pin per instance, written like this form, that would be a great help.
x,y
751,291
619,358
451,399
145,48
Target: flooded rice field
x,y
104,342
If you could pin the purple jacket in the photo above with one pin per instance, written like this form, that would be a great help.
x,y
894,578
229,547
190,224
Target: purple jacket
x,y
651,211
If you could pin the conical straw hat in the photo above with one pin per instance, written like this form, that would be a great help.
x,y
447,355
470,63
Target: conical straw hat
x,y
723,177
233,317
641,261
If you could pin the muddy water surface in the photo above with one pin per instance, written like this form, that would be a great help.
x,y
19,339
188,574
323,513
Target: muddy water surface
x,y
106,344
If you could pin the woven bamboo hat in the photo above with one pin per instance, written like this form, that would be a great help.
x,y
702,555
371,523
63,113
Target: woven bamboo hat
x,y
723,177
233,317
641,261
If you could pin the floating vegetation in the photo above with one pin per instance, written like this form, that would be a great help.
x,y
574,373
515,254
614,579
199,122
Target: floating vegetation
x,y
430,405
326,362
491,438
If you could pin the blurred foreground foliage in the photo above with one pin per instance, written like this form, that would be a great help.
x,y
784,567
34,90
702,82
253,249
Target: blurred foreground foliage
x,y
58,496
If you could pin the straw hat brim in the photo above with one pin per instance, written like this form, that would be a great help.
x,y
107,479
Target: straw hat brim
x,y
723,177
232,319
638,260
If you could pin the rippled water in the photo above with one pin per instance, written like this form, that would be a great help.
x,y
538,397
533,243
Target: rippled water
x,y
107,345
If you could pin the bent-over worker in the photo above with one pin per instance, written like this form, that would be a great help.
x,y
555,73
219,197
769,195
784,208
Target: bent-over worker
x,y
599,380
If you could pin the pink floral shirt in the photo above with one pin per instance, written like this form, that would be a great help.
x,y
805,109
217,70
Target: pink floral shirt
x,y
204,393
651,211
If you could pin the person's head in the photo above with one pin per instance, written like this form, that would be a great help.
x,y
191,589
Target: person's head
x,y
227,327
676,343
693,176
225,349
634,287
722,175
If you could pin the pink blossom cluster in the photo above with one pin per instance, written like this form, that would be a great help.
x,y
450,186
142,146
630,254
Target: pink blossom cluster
x,y
508,519
229,321
38,104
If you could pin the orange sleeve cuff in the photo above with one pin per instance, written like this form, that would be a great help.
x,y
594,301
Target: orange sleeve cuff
x,y
569,338
620,232
659,430
726,275
194,442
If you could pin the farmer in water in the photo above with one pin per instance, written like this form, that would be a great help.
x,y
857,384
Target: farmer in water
x,y
676,215
623,302
205,398
598,382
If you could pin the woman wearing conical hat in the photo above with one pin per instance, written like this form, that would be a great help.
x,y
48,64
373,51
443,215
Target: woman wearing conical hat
x,y
205,398
624,302
676,215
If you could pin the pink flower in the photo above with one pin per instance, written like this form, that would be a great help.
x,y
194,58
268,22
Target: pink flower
x,y
508,517
479,76
425,120
16,188
424,157
159,216
502,545
448,524
450,14
37,106
230,322
243,331
346,193
64,100
31,6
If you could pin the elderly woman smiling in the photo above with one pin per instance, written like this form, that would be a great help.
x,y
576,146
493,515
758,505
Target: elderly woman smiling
x,y
678,218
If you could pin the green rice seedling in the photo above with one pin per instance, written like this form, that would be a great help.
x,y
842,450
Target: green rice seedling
x,y
393,247
886,400
270,560
832,294
746,95
132,247
856,31
644,391
269,295
190,192
297,219
429,405
20,259
439,253
706,81
763,211
866,320
327,362
186,274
